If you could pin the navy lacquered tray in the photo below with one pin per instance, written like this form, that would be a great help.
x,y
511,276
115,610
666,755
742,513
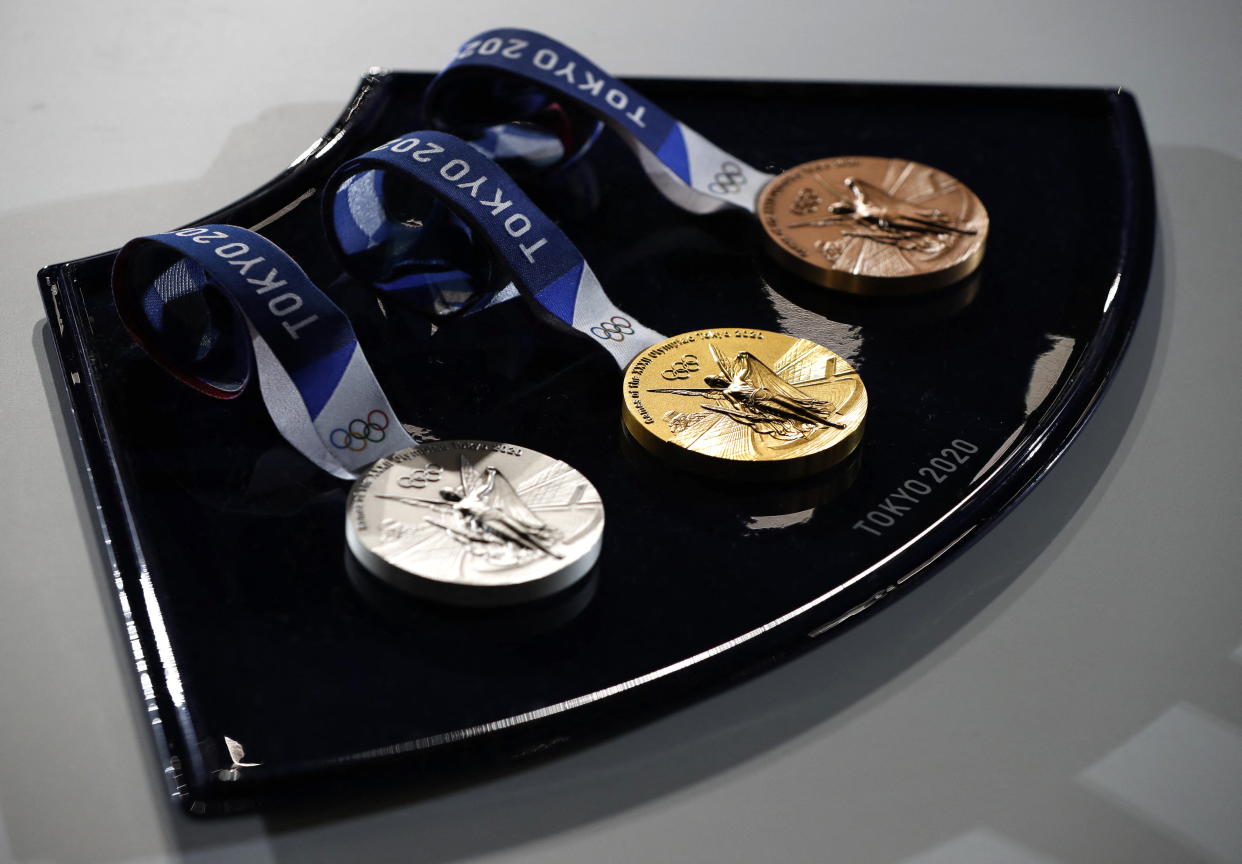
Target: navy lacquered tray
x,y
229,547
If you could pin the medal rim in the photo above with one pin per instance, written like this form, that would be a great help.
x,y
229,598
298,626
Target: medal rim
x,y
859,283
462,594
729,468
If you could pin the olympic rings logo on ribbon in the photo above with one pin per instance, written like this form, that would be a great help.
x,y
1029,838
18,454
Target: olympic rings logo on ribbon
x,y
614,329
420,477
360,433
729,179
681,369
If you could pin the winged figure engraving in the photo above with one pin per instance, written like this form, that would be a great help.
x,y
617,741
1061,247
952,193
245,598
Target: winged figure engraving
x,y
487,515
747,392
883,217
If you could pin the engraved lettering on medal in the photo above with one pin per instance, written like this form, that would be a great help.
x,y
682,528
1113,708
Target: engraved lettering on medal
x,y
453,446
633,384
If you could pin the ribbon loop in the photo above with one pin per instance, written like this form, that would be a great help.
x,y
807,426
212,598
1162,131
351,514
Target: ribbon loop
x,y
689,170
181,294
541,260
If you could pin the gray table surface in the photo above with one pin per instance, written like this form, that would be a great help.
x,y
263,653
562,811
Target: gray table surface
x,y
1068,690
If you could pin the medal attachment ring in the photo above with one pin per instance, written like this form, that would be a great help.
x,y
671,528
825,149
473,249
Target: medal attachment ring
x,y
873,225
745,404
475,523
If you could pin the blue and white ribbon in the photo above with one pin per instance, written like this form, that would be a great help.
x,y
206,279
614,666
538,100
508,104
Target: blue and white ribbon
x,y
424,257
540,259
315,381
521,143
689,170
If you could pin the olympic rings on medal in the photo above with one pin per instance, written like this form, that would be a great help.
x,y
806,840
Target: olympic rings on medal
x,y
681,369
364,432
420,477
729,179
615,329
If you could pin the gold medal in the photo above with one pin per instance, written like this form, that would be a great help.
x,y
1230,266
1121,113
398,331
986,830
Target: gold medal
x,y
744,404
867,224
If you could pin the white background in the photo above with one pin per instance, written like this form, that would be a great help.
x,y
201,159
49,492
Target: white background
x,y
1069,690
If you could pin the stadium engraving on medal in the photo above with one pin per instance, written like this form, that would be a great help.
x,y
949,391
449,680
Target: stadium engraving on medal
x,y
867,224
745,404
475,522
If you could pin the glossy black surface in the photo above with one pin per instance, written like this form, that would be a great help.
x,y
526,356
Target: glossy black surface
x,y
229,547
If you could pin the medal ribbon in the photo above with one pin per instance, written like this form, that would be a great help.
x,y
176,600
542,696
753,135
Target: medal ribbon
x,y
423,260
315,381
689,170
541,260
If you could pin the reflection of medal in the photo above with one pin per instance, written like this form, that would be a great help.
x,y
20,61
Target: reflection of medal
x,y
474,523
744,404
866,224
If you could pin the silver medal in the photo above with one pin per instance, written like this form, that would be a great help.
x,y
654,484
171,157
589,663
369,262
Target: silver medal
x,y
475,523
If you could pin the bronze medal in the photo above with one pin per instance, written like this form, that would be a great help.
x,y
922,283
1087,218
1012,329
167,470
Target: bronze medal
x,y
868,224
744,404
